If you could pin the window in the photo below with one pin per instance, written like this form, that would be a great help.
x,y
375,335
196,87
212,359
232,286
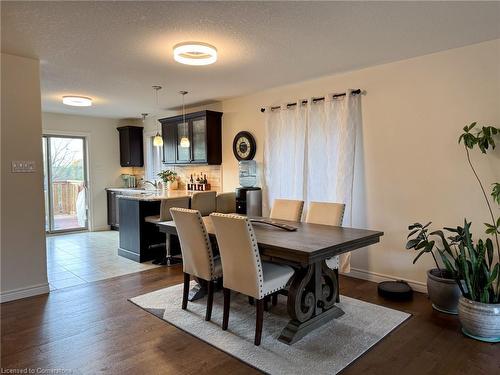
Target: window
x,y
153,162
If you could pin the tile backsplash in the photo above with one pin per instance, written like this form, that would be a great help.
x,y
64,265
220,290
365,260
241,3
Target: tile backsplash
x,y
213,172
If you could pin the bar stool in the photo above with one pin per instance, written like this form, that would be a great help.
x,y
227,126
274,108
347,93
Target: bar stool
x,y
165,205
226,203
204,201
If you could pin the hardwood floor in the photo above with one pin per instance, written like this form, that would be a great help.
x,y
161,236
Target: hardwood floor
x,y
92,328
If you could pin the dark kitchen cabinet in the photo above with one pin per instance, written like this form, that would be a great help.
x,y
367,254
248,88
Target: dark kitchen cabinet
x,y
113,209
204,132
131,146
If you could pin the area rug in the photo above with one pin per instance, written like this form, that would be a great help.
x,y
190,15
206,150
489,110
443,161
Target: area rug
x,y
327,350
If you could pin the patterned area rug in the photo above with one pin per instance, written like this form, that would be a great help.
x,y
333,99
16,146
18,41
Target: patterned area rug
x,y
325,351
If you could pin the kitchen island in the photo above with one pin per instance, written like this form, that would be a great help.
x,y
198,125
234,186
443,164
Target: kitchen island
x,y
139,240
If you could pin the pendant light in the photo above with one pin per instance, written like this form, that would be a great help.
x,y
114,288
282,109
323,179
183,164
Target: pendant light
x,y
184,140
157,140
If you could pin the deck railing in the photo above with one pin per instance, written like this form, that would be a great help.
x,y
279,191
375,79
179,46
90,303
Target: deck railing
x,y
64,194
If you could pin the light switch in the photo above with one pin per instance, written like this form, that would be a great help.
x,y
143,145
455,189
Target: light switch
x,y
23,166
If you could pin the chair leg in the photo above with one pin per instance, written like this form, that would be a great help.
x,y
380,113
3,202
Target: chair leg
x,y
259,320
185,292
265,301
227,300
274,299
210,300
337,297
251,300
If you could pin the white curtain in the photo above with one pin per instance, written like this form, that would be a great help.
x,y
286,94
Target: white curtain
x,y
309,154
284,163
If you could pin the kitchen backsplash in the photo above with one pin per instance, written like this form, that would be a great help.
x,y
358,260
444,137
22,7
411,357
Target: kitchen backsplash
x,y
213,172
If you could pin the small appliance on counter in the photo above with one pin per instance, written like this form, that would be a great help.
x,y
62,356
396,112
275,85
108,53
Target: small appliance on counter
x,y
248,197
129,180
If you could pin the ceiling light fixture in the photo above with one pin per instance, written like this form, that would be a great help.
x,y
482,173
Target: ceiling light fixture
x,y
184,140
195,53
157,140
77,101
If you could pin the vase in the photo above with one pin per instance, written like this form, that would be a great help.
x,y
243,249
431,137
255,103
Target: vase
x,y
480,321
443,292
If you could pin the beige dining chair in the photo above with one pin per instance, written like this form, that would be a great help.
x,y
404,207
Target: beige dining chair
x,y
204,201
198,258
244,272
287,209
226,203
165,205
327,213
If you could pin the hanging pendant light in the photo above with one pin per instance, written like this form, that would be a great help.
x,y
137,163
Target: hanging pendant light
x,y
184,140
157,140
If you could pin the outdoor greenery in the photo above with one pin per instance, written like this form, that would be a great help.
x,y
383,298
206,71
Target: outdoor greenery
x,y
471,263
167,176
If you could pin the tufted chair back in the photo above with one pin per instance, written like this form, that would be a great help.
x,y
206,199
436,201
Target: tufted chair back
x,y
241,264
197,255
326,213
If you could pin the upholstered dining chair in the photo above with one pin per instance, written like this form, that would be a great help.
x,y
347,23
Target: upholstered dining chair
x,y
244,272
198,258
327,213
165,205
204,201
287,209
226,203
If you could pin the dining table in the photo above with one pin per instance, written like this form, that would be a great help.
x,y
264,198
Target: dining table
x,y
313,290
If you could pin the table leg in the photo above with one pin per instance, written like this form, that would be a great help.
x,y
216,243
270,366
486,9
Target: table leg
x,y
198,291
311,301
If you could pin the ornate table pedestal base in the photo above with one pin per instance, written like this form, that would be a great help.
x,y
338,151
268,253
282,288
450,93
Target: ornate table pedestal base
x,y
311,301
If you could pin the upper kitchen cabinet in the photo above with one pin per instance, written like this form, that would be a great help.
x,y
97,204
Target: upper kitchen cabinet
x,y
131,146
202,129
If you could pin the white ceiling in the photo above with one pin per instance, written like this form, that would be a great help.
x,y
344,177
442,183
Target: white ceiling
x,y
114,51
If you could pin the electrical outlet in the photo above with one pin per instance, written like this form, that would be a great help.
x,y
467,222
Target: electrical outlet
x,y
23,166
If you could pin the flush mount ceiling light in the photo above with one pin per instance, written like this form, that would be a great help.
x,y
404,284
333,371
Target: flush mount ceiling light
x,y
195,53
77,101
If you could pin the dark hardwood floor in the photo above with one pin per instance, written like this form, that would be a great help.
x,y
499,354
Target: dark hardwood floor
x,y
94,329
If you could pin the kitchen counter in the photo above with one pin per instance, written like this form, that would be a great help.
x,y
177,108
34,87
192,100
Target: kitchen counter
x,y
157,195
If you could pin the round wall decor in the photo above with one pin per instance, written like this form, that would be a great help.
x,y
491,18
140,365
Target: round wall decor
x,y
244,146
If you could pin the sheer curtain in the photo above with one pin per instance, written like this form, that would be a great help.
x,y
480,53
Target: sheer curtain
x,y
285,147
317,143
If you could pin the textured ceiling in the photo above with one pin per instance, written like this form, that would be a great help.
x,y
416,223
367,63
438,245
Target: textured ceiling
x,y
114,51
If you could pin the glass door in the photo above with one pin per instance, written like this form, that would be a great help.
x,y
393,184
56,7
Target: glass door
x,y
65,183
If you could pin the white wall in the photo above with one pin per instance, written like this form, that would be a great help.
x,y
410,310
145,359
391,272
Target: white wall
x,y
103,156
409,165
23,257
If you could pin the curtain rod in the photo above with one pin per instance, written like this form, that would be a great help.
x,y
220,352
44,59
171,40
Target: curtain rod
x,y
314,100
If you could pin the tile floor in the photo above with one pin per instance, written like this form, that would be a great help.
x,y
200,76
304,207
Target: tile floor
x,y
78,258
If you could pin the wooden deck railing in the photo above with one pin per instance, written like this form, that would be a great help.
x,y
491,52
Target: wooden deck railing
x,y
64,194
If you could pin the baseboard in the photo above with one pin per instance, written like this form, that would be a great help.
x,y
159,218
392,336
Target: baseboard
x,y
35,290
378,277
100,229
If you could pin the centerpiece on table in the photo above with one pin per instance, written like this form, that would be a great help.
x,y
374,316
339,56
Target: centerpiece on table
x,y
470,263
169,179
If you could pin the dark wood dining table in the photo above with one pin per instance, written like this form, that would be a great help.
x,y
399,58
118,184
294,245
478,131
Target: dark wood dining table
x,y
314,287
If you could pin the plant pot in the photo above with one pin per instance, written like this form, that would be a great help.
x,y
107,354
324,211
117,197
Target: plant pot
x,y
480,321
443,292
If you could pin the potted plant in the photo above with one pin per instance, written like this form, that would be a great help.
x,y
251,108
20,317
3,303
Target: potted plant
x,y
442,289
472,264
169,179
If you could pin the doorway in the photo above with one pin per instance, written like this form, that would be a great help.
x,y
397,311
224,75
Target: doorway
x,y
65,183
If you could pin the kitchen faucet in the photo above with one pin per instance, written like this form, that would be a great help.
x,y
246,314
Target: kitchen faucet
x,y
155,184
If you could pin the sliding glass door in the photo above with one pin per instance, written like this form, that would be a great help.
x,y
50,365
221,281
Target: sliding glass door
x,y
65,183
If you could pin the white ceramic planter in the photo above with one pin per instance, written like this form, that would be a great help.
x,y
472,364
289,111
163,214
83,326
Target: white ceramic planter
x,y
480,321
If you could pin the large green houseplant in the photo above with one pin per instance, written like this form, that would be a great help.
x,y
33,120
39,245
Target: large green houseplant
x,y
471,263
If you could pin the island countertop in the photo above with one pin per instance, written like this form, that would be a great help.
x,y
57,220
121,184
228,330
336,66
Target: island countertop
x,y
157,195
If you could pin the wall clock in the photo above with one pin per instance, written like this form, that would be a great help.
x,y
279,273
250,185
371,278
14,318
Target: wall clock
x,y
244,146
